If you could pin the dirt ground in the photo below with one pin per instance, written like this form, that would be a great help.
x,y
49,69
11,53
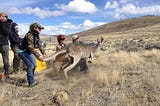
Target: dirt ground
x,y
16,92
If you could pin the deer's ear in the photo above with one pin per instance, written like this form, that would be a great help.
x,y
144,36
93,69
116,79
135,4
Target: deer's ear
x,y
99,39
102,39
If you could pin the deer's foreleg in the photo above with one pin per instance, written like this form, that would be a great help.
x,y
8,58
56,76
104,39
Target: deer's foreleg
x,y
91,57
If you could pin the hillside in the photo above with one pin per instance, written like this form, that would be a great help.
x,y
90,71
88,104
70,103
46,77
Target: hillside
x,y
122,25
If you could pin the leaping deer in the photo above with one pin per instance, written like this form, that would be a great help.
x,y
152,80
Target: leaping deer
x,y
77,52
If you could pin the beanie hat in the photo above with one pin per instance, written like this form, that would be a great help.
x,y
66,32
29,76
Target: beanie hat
x,y
3,14
60,37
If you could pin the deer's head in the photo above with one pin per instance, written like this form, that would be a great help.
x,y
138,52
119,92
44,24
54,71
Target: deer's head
x,y
100,43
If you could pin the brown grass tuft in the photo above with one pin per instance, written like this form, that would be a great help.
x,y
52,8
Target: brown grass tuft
x,y
106,78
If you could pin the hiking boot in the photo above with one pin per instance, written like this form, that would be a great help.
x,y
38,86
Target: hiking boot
x,y
33,84
4,76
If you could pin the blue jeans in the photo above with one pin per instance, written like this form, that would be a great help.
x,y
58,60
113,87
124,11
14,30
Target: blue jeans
x,y
29,60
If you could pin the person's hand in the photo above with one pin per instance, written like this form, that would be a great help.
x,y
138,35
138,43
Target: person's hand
x,y
41,58
44,56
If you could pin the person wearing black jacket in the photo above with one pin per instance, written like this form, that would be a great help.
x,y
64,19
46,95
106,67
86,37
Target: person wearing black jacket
x,y
5,30
15,41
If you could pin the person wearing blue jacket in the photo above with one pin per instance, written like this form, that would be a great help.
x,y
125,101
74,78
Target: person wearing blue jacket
x,y
15,41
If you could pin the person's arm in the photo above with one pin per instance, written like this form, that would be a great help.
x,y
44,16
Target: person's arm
x,y
31,48
14,38
41,48
58,47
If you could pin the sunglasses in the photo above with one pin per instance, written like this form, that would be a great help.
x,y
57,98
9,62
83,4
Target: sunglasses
x,y
5,16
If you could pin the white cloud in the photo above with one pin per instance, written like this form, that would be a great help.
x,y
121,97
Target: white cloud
x,y
135,10
123,8
127,9
80,6
76,17
53,30
68,25
48,30
23,28
64,28
16,3
87,24
124,1
110,5
37,11
117,15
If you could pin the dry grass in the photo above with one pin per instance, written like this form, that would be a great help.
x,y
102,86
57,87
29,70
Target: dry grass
x,y
106,78
115,78
136,80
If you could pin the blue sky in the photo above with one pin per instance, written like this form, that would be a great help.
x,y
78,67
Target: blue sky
x,y
71,16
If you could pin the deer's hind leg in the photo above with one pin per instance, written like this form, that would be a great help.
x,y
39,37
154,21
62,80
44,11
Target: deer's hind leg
x,y
67,62
75,61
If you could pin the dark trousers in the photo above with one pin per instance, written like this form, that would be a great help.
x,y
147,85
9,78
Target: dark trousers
x,y
83,65
4,50
16,59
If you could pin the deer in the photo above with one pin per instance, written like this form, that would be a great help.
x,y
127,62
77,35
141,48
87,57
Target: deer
x,y
76,52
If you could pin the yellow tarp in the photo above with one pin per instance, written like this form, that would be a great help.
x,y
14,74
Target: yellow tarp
x,y
40,65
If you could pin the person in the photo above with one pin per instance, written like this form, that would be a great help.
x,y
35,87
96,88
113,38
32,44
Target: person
x,y
60,40
15,41
28,49
5,30
82,63
60,59
76,39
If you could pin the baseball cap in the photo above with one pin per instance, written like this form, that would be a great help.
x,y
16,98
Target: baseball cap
x,y
74,37
38,25
35,25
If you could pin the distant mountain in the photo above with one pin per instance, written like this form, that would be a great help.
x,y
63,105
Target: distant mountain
x,y
122,25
